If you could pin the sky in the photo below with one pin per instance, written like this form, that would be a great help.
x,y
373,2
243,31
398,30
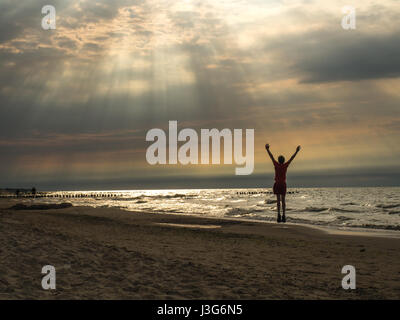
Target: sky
x,y
76,102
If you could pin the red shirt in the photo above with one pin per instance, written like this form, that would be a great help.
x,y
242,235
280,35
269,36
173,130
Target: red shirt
x,y
280,172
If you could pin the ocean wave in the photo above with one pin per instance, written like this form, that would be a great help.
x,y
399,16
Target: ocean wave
x,y
172,196
329,209
388,206
334,209
153,197
343,218
125,199
140,201
314,209
241,211
112,206
384,227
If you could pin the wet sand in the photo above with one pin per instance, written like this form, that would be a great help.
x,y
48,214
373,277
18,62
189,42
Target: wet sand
x,y
108,253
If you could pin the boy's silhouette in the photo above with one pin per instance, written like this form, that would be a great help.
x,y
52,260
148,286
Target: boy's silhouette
x,y
280,181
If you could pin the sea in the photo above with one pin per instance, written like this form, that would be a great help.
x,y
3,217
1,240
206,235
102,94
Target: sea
x,y
367,208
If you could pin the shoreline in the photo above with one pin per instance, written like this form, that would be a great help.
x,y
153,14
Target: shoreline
x,y
333,230
330,229
333,209
108,253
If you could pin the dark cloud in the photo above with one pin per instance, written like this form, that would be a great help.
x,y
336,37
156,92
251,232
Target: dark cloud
x,y
64,42
325,56
91,46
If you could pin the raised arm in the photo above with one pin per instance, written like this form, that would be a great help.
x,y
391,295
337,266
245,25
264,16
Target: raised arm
x,y
294,155
269,153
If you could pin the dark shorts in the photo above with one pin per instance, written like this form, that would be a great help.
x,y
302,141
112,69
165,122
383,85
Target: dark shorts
x,y
280,188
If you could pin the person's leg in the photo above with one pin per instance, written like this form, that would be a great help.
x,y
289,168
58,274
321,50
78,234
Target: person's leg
x,y
278,206
283,198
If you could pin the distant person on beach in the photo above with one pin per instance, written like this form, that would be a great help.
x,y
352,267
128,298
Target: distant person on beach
x,y
280,181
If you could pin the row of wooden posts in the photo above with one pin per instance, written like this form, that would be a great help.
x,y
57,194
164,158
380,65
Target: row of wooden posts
x,y
103,195
56,195
260,192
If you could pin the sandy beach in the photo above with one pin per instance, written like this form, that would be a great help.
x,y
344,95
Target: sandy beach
x,y
108,253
